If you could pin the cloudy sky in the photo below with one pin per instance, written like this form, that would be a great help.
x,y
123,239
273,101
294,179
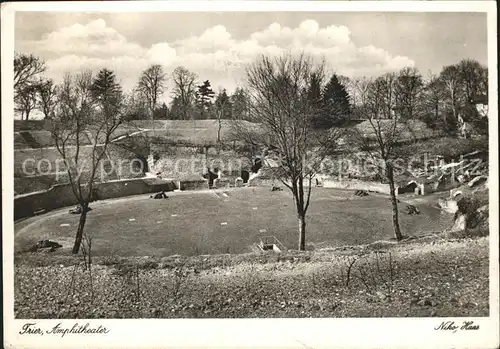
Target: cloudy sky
x,y
217,46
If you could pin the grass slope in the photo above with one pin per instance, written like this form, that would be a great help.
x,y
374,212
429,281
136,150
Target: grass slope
x,y
436,277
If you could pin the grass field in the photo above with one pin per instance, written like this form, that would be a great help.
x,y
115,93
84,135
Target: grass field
x,y
230,221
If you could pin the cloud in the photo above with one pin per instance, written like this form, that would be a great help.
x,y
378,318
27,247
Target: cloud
x,y
333,43
94,38
214,54
308,32
162,53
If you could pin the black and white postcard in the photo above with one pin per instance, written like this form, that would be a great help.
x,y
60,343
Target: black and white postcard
x,y
250,174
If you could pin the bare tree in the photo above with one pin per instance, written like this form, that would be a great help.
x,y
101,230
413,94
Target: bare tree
x,y
356,88
47,94
385,131
152,85
279,104
222,110
25,99
239,104
137,105
450,76
434,96
87,108
409,87
184,91
26,67
473,78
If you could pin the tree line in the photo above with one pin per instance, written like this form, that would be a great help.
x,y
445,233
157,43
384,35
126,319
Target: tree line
x,y
441,100
292,98
295,109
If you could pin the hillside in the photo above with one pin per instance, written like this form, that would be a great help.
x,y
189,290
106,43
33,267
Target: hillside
x,y
36,134
437,275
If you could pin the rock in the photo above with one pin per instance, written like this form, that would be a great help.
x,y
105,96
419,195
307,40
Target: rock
x,y
448,205
477,181
160,195
470,215
459,223
78,209
411,209
479,218
361,193
45,245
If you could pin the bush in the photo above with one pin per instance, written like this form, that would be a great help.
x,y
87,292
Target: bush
x,y
469,233
469,205
449,147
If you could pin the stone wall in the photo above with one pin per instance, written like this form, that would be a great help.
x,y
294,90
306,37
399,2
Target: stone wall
x,y
61,195
192,184
357,185
185,162
40,169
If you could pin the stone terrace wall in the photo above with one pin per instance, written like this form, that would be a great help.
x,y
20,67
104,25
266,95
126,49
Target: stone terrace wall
x,y
193,184
40,169
357,185
61,195
183,162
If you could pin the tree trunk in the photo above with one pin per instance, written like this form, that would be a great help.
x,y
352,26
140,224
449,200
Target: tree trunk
x,y
394,203
436,113
302,232
298,198
79,232
218,130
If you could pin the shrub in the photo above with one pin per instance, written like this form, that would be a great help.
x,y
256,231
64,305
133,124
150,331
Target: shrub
x,y
469,233
449,147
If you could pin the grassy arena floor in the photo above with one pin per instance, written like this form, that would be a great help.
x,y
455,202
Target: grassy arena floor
x,y
227,221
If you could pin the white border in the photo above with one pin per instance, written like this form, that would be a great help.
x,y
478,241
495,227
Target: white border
x,y
289,333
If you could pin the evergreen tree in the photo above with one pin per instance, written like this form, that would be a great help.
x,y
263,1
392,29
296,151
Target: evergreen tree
x,y
336,102
240,104
223,105
176,109
107,92
204,96
161,112
314,96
